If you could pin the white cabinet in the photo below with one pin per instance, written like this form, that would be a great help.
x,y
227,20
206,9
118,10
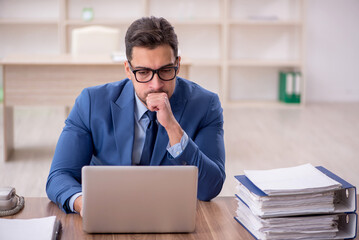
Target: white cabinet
x,y
236,47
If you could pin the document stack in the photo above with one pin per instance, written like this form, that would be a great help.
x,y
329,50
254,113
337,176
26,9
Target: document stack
x,y
302,202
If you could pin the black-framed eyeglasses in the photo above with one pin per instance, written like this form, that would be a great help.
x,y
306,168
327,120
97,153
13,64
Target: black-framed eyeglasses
x,y
143,75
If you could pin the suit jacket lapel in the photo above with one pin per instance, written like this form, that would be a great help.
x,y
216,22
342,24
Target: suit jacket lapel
x,y
123,122
178,102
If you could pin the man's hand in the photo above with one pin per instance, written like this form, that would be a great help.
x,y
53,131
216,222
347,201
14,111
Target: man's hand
x,y
78,205
159,102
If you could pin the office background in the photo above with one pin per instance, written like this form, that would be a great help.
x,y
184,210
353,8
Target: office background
x,y
323,131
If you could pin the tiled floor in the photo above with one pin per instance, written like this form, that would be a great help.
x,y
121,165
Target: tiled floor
x,y
256,138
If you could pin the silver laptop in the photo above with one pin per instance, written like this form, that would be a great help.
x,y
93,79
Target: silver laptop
x,y
139,199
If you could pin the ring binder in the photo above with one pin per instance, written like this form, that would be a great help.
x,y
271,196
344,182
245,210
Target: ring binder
x,y
251,218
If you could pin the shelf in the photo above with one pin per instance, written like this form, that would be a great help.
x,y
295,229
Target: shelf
x,y
129,21
230,44
203,62
264,63
64,59
19,21
99,22
264,22
195,21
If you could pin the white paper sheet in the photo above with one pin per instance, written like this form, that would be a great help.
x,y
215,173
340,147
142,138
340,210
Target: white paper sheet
x,y
287,205
30,229
309,227
294,180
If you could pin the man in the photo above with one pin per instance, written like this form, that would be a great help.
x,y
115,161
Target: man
x,y
151,118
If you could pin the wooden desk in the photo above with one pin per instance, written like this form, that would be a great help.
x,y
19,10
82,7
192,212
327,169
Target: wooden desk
x,y
53,81
214,221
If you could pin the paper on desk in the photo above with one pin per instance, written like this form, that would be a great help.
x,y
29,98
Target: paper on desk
x,y
303,227
287,205
31,229
294,180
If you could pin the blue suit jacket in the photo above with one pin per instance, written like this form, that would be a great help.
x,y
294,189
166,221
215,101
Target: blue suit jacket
x,y
100,131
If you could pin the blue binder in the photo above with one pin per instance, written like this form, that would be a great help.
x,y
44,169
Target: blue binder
x,y
345,208
347,193
347,226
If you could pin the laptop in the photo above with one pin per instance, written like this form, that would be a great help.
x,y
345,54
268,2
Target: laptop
x,y
139,199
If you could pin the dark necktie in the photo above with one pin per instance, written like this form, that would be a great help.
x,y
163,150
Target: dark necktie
x,y
150,140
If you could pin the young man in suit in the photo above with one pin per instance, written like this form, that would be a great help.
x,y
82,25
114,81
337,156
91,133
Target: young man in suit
x,y
151,118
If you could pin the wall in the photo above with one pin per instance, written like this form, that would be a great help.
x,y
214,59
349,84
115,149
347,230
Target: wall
x,y
332,58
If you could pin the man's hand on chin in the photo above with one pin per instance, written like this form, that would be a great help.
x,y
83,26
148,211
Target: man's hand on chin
x,y
160,103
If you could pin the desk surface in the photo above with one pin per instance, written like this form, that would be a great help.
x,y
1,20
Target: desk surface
x,y
214,221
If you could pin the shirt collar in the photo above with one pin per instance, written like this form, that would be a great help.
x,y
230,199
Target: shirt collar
x,y
140,108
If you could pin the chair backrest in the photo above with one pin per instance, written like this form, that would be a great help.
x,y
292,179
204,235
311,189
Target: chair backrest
x,y
95,40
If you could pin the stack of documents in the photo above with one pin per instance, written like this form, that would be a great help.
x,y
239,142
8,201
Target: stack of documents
x,y
320,226
302,202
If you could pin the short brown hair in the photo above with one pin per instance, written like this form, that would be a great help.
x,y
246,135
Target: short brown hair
x,y
150,32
